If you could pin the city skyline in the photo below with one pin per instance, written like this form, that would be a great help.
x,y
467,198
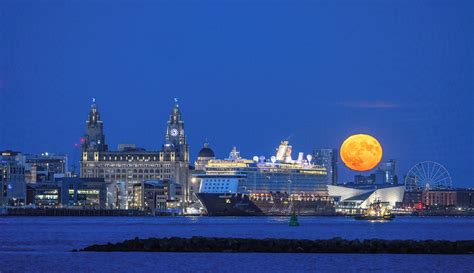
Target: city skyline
x,y
236,136
407,85
74,162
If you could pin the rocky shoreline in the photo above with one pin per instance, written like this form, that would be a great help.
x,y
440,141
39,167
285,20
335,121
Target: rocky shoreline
x,y
334,245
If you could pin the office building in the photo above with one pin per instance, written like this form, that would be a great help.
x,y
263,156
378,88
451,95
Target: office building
x,y
157,196
364,179
327,158
45,167
90,193
386,173
465,198
12,179
43,194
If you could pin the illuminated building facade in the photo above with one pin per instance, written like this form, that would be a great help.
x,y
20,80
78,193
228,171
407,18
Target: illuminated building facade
x,y
43,194
131,165
441,198
12,179
438,198
386,173
156,196
83,192
352,200
327,158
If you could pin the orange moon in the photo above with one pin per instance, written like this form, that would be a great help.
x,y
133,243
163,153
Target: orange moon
x,y
361,152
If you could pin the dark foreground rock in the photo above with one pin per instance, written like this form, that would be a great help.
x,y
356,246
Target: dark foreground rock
x,y
335,245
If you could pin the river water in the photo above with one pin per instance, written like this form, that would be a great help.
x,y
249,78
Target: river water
x,y
44,244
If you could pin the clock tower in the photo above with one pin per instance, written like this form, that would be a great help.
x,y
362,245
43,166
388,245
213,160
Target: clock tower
x,y
175,136
94,139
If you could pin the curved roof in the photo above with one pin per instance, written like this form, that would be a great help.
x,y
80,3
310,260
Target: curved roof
x,y
206,152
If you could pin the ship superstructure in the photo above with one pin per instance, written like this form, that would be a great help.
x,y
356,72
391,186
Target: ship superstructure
x,y
278,185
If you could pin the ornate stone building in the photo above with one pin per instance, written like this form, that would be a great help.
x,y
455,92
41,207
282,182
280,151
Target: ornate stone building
x,y
129,165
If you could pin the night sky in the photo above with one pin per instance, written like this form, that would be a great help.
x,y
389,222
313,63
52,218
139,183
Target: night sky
x,y
247,73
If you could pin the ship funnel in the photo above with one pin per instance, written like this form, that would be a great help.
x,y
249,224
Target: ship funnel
x,y
284,152
281,151
300,158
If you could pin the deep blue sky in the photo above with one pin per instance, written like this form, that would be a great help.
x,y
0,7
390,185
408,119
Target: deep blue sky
x,y
247,73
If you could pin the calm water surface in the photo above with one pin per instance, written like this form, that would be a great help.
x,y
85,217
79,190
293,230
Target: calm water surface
x,y
43,244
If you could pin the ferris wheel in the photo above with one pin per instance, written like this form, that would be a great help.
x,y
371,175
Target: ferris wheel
x,y
428,175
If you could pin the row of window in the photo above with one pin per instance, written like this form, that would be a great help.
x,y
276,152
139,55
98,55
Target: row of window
x,y
139,171
13,170
217,180
215,184
155,166
216,188
101,171
140,177
126,158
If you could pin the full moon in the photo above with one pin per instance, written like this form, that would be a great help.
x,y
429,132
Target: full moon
x,y
361,152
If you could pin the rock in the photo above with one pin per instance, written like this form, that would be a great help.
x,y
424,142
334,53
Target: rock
x,y
334,245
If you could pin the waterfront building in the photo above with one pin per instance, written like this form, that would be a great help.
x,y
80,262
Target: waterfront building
x,y
43,194
412,199
327,158
465,198
157,196
439,198
68,192
12,179
354,199
131,165
87,193
117,195
419,199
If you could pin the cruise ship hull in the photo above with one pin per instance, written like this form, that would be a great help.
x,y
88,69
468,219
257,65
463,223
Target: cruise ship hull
x,y
270,204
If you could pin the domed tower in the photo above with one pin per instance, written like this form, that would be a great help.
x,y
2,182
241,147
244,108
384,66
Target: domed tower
x,y
205,154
